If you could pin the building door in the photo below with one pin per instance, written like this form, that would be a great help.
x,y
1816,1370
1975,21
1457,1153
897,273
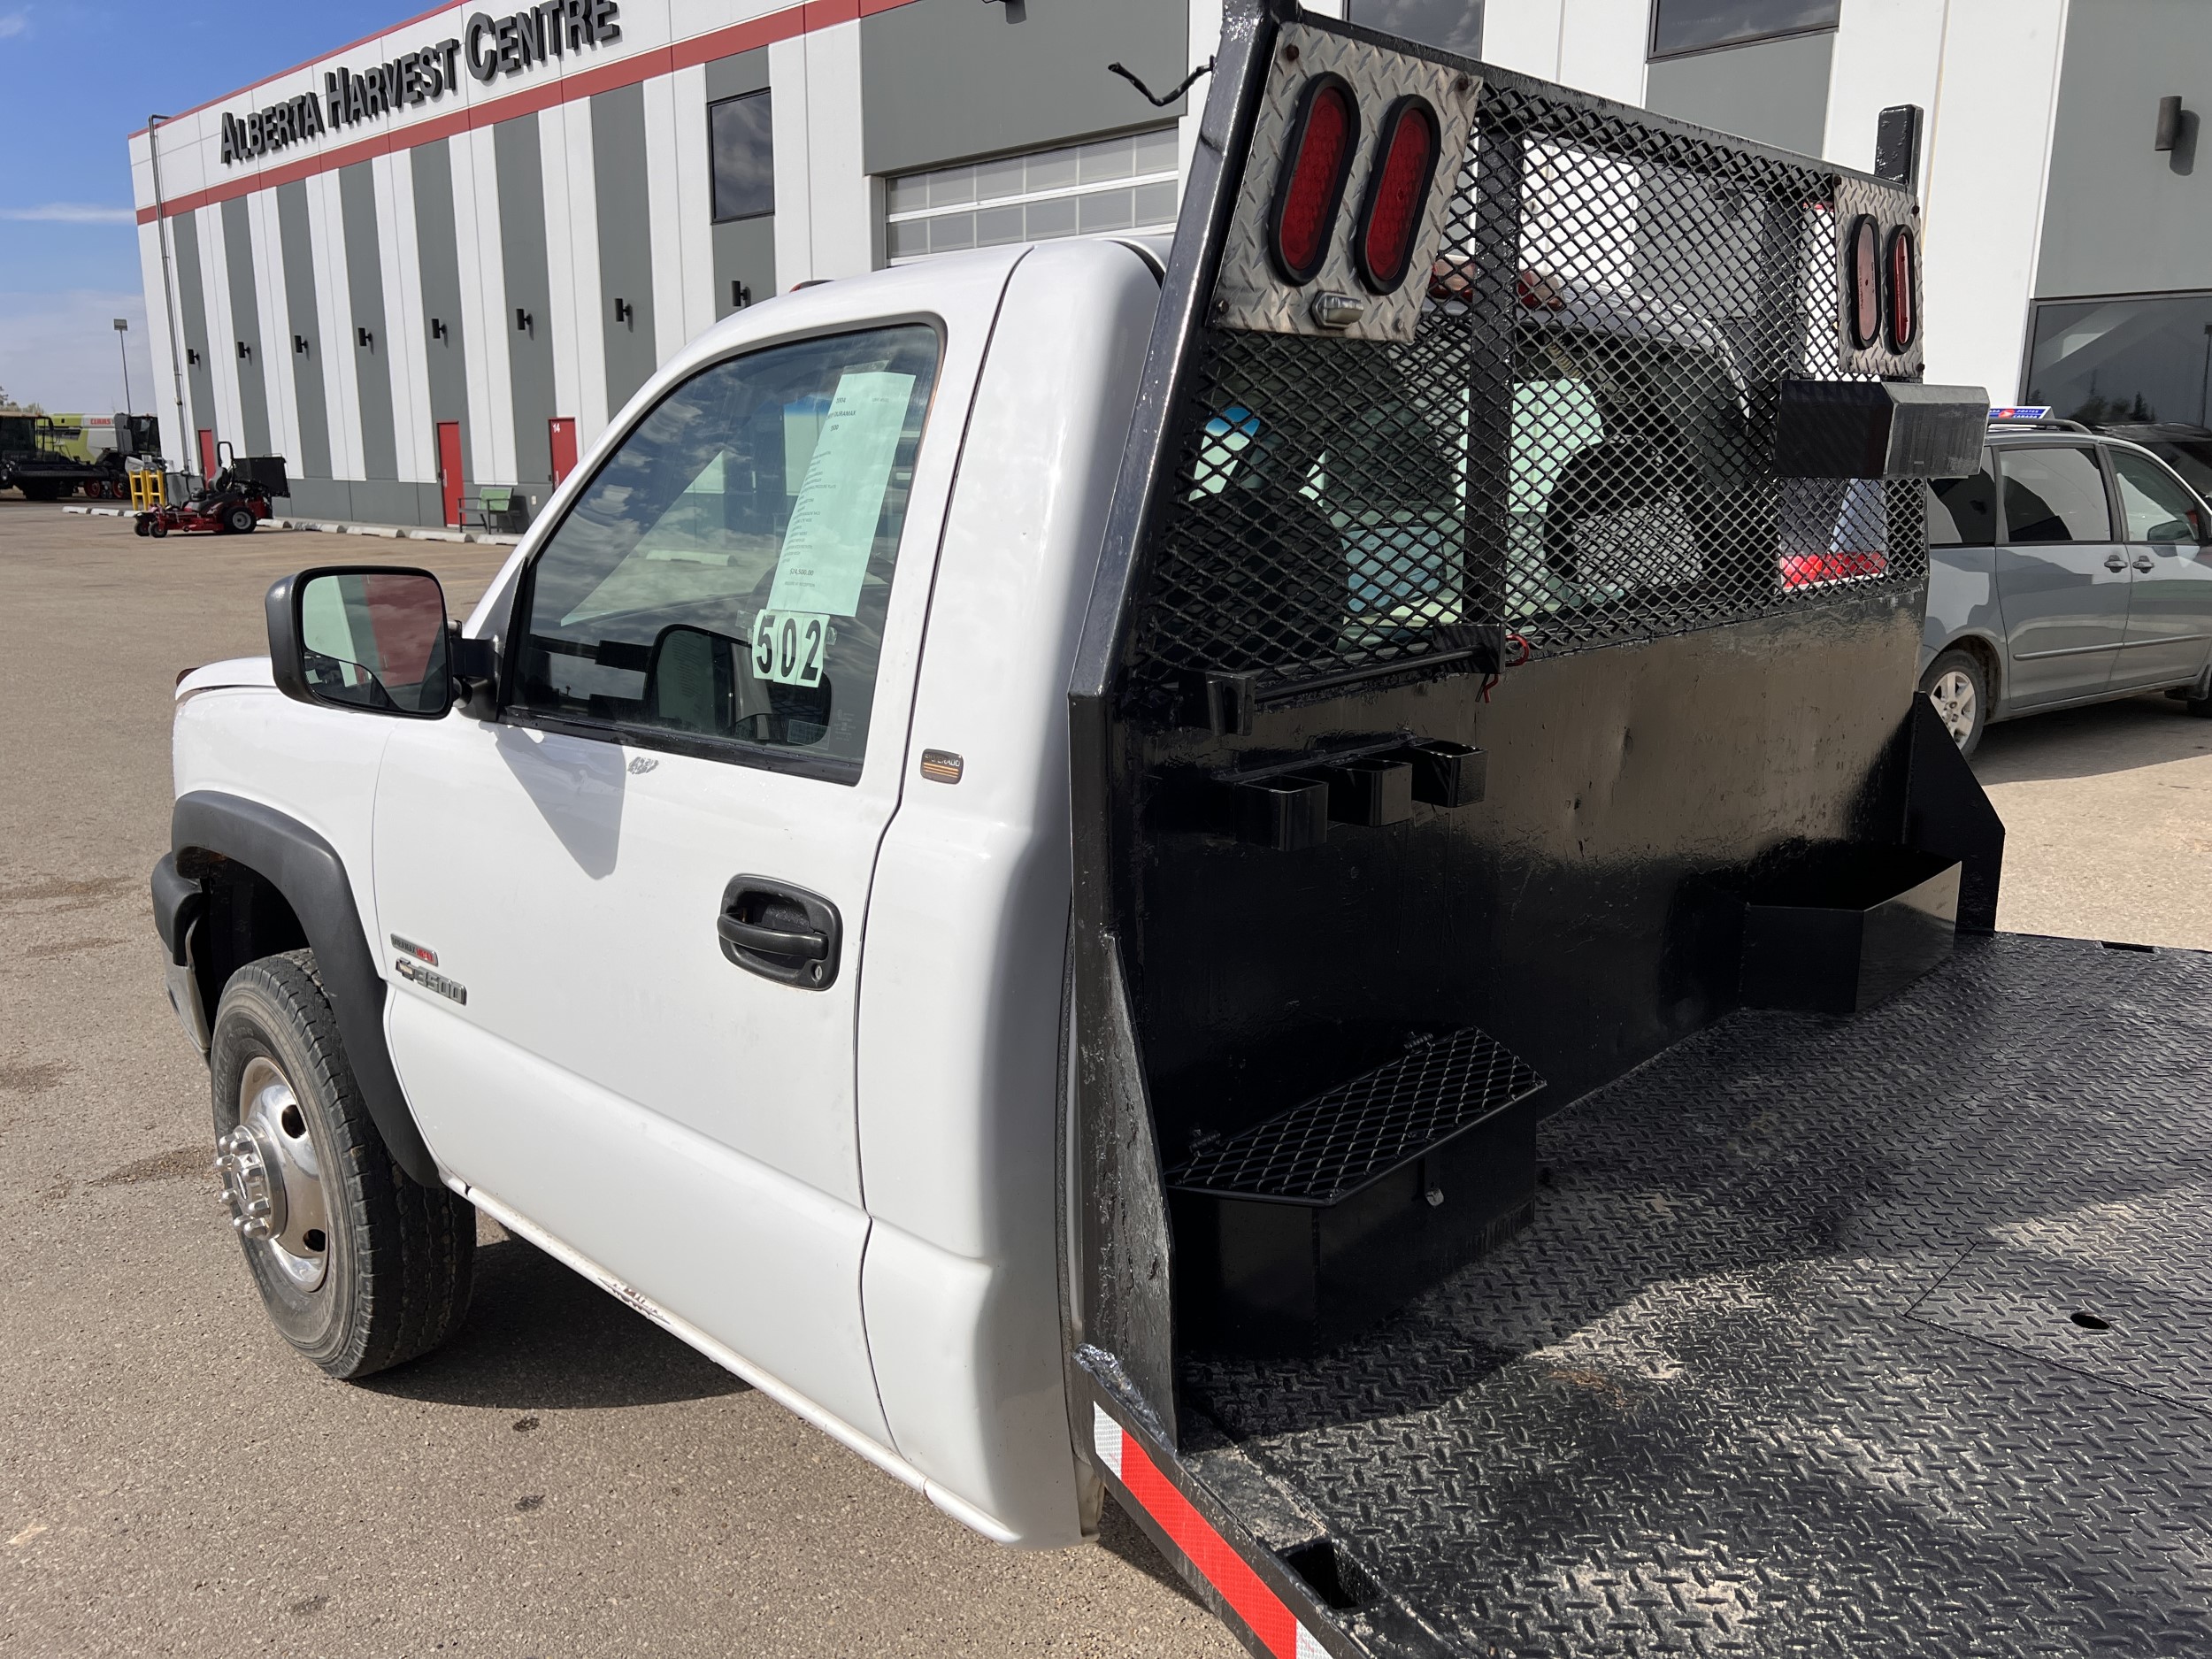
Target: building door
x,y
449,468
560,434
2062,580
207,453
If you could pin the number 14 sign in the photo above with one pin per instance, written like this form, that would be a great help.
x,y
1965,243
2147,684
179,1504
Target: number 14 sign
x,y
788,647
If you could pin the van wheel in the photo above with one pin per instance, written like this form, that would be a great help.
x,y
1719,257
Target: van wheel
x,y
360,1267
1957,684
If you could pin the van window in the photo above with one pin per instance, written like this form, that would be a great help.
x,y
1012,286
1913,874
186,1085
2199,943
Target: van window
x,y
2054,495
726,573
2158,509
1963,512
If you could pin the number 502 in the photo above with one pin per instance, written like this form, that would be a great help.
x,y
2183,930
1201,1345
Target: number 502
x,y
787,647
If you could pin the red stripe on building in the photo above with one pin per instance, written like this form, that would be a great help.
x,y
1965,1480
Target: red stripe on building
x,y
1225,1570
754,32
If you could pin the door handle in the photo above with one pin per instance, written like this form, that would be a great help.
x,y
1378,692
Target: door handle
x,y
779,931
2144,562
2114,562
768,941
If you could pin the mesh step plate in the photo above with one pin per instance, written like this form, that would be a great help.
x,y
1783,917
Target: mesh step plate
x,y
1322,1151
1787,1362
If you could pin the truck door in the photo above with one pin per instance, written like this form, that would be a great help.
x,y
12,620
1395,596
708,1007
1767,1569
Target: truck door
x,y
2170,589
2062,580
627,914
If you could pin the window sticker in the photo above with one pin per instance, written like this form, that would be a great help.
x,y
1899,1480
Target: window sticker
x,y
788,647
833,526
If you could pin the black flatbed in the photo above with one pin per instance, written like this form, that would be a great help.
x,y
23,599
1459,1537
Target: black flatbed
x,y
1788,1361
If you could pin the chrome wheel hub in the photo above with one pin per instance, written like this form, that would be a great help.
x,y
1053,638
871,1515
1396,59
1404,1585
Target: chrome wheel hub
x,y
1952,695
272,1181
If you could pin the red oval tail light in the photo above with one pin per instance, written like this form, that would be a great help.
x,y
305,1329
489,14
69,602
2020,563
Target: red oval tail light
x,y
1405,160
1901,318
1309,187
1862,281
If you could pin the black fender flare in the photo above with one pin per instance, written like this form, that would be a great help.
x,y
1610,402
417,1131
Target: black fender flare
x,y
308,871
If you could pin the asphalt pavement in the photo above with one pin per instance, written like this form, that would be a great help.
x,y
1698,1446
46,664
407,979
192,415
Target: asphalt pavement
x,y
2107,815
565,1478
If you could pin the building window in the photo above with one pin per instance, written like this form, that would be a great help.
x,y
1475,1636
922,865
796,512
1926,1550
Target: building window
x,y
1454,25
1116,184
2132,362
1698,25
744,157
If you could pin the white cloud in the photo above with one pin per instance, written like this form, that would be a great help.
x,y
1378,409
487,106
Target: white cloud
x,y
13,23
58,349
68,213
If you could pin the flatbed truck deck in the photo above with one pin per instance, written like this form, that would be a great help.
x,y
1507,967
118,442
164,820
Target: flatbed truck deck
x,y
1876,1335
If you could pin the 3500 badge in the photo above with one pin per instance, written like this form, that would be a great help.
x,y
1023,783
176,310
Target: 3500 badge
x,y
788,647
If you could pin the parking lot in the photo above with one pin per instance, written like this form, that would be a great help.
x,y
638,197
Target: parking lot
x,y
565,1478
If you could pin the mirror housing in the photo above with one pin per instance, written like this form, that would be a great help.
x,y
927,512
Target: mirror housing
x,y
369,638
475,675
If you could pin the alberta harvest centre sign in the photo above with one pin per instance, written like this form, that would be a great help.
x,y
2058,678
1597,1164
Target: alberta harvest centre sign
x,y
488,48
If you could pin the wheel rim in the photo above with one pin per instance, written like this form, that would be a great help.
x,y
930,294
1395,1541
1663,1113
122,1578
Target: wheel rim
x,y
1952,695
273,1181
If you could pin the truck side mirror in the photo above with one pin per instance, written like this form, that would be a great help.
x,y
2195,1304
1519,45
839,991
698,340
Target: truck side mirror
x,y
367,637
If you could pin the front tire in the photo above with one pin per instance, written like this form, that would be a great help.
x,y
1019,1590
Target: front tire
x,y
360,1267
1958,686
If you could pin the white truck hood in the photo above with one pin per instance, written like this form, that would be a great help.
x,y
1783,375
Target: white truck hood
x,y
236,671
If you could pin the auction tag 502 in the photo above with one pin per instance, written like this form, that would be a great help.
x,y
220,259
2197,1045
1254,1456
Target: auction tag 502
x,y
788,647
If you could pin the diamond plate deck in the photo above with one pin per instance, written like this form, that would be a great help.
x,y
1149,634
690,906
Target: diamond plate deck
x,y
1787,1364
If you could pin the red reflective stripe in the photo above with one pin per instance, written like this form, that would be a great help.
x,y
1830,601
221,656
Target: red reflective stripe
x,y
1223,1568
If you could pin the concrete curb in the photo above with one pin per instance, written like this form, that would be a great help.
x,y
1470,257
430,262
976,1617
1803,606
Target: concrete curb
x,y
391,532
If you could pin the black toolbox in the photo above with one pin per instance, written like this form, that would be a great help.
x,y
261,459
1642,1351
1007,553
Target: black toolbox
x,y
1309,1227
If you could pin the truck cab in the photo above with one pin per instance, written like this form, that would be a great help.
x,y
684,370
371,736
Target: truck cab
x,y
1293,876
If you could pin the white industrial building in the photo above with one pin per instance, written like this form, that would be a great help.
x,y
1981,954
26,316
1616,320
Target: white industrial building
x,y
436,263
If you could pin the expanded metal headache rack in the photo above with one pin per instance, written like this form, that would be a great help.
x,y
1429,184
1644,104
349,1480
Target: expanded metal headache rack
x,y
1578,446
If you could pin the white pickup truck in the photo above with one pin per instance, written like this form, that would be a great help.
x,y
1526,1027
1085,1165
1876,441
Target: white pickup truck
x,y
1295,875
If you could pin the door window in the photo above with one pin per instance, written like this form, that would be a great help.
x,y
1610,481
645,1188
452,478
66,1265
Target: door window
x,y
725,576
2054,495
2158,509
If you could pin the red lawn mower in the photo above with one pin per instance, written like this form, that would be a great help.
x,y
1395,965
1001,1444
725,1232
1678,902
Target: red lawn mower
x,y
236,500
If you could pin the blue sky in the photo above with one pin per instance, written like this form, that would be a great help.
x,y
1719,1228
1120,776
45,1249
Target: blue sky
x,y
77,78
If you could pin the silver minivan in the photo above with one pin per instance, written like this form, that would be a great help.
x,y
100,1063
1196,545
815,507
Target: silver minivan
x,y
2071,568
